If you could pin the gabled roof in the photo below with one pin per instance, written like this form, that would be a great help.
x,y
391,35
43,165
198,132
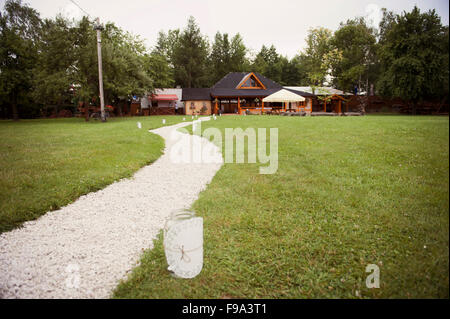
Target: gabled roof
x,y
228,85
233,79
245,79
195,94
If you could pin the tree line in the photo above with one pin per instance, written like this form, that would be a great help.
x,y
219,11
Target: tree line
x,y
53,62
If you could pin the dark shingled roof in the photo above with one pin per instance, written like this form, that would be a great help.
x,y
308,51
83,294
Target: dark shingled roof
x,y
195,94
226,87
232,80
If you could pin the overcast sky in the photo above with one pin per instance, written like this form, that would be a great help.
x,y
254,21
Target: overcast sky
x,y
283,23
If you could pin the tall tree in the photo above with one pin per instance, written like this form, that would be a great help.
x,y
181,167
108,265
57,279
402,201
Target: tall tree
x,y
159,70
353,55
20,28
124,64
267,62
227,56
238,54
297,71
414,57
292,71
220,57
85,60
166,43
68,56
190,57
54,69
318,47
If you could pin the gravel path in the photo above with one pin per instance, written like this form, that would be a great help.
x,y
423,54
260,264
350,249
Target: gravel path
x,y
82,250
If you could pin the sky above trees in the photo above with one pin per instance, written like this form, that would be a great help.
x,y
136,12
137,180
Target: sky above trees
x,y
284,23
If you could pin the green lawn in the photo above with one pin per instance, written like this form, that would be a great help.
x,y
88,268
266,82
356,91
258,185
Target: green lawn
x,y
349,191
46,164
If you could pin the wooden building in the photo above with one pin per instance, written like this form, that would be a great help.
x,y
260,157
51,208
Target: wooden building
x,y
240,92
197,101
326,99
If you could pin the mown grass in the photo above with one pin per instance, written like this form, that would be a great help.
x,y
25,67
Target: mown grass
x,y
46,164
348,192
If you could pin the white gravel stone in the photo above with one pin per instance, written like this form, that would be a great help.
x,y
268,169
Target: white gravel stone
x,y
82,250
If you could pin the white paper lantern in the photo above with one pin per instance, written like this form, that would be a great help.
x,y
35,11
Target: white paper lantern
x,y
139,125
183,244
164,121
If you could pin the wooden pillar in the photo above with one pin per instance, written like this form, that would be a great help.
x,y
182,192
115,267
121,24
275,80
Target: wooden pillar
x,y
262,106
339,109
239,106
346,107
215,107
325,106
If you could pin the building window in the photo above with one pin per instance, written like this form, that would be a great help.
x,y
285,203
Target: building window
x,y
251,82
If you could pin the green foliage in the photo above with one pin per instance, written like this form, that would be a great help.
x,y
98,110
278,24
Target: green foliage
x,y
238,54
298,74
20,28
190,55
166,43
124,61
77,63
227,56
414,56
353,58
158,68
85,58
267,62
279,68
41,60
318,46
54,71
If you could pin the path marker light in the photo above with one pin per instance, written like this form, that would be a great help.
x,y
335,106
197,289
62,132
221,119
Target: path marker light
x,y
183,244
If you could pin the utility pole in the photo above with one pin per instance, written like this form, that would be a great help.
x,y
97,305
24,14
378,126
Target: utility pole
x,y
99,28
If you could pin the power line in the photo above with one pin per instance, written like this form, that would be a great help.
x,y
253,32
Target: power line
x,y
80,8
